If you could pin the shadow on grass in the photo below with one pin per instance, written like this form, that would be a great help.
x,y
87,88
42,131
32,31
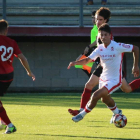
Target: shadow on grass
x,y
126,101
87,137
132,128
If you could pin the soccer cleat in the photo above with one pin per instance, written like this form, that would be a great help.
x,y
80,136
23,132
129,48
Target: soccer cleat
x,y
3,126
73,112
10,130
120,112
77,118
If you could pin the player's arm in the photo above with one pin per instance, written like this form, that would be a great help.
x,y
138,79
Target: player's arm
x,y
90,46
25,64
135,69
79,62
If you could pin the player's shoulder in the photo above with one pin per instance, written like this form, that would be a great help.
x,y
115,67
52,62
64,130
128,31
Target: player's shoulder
x,y
114,43
11,40
7,39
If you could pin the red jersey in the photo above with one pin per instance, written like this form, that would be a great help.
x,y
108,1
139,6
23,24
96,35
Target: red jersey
x,y
8,48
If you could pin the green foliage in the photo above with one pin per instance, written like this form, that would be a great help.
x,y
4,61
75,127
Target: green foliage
x,y
45,117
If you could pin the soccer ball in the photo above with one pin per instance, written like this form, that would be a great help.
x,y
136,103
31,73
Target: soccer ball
x,y
120,120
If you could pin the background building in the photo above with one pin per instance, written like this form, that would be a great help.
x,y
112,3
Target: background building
x,y
52,34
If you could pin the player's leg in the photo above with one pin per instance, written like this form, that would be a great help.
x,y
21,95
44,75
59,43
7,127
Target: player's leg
x,y
105,88
3,115
110,103
91,104
127,88
92,82
2,123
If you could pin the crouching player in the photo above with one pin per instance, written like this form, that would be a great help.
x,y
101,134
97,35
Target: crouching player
x,y
110,53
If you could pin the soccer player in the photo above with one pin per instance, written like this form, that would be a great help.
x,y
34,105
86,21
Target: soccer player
x,y
93,35
102,16
88,50
8,49
110,53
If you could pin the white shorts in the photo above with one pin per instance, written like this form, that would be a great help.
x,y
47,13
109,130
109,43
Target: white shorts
x,y
110,85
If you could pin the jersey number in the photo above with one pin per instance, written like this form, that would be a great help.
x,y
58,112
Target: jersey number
x,y
6,50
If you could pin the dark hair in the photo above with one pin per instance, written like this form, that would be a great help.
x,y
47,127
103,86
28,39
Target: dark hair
x,y
104,12
3,25
105,27
93,13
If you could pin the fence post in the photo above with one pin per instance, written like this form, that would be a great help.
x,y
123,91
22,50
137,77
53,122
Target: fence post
x,y
4,9
81,13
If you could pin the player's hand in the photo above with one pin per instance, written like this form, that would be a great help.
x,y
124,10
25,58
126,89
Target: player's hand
x,y
135,71
86,50
70,65
32,75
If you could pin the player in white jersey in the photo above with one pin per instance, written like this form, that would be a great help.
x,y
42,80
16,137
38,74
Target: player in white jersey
x,y
111,61
110,53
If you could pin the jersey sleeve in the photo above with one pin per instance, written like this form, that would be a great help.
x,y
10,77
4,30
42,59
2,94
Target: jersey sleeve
x,y
124,47
17,51
94,55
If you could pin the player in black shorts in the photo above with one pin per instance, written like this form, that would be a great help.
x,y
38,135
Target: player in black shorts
x,y
8,49
102,16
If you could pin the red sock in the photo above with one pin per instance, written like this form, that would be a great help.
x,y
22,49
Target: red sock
x,y
87,110
85,97
3,115
135,84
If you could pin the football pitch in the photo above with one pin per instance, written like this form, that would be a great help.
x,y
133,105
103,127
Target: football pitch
x,y
44,116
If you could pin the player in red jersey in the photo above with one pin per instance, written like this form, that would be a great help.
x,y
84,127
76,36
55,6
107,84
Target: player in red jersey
x,y
8,49
102,16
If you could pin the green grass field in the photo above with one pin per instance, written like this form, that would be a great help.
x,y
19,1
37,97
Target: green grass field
x,y
45,117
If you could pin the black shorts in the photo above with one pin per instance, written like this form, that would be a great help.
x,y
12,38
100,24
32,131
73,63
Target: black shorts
x,y
5,81
3,87
98,71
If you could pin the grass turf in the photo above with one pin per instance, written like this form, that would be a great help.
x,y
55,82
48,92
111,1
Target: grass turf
x,y
45,117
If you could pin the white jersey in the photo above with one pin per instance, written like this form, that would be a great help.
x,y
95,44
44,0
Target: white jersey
x,y
111,59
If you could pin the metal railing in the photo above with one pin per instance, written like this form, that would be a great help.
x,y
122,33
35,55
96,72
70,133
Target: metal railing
x,y
4,9
81,13
4,5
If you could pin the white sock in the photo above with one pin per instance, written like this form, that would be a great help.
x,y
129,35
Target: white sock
x,y
85,111
81,109
114,109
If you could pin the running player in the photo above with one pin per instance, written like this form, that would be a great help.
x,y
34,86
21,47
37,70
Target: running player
x,y
110,53
8,49
102,16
